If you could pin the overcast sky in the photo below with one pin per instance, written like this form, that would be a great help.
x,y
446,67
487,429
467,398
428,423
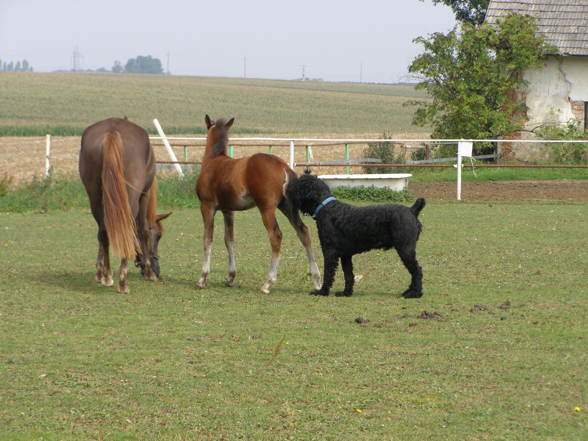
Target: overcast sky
x,y
334,40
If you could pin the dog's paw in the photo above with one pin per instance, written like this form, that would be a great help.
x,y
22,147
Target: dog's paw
x,y
318,292
344,293
411,294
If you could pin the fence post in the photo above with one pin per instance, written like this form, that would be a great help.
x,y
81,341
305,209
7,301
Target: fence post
x,y
347,169
464,148
231,151
185,153
269,150
168,147
292,155
47,154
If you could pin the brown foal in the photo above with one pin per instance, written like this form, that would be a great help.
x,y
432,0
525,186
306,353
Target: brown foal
x,y
229,185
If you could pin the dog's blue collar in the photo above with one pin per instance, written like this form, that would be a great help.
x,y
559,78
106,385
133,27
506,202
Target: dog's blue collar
x,y
323,204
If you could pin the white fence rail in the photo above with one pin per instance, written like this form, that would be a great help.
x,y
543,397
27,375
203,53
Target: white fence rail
x,y
294,143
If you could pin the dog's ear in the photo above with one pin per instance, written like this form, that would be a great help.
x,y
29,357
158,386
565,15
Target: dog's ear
x,y
307,171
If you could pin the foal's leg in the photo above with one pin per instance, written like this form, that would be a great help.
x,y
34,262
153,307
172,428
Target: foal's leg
x,y
103,271
304,236
407,254
268,215
347,265
208,212
122,277
230,244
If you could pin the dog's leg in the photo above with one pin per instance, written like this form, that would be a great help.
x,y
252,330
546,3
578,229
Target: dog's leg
x,y
230,244
331,261
408,256
347,265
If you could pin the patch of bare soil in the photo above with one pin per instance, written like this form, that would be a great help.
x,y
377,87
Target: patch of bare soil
x,y
558,190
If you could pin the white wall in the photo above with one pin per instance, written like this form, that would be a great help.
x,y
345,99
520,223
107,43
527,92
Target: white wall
x,y
553,86
551,90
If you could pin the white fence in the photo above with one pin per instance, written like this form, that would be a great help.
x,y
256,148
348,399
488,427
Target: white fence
x,y
464,150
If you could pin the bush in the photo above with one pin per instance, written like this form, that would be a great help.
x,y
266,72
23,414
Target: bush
x,y
385,152
372,194
568,153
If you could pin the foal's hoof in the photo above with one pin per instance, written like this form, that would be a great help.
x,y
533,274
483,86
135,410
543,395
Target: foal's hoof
x,y
200,284
344,293
411,294
318,292
123,289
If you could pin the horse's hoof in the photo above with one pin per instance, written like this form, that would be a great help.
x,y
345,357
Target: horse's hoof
x,y
265,289
123,289
200,285
229,282
107,281
151,278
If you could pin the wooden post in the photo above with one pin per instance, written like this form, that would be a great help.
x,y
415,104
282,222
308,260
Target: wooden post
x,y
231,151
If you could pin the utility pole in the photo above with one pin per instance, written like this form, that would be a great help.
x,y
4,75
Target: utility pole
x,y
167,68
361,71
303,72
244,67
76,59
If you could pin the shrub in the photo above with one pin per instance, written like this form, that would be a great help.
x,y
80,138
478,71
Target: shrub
x,y
385,152
568,153
372,194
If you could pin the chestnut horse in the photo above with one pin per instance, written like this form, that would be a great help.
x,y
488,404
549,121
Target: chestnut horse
x,y
228,184
117,167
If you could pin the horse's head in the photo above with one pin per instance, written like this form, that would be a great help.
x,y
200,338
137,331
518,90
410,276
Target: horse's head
x,y
155,231
218,135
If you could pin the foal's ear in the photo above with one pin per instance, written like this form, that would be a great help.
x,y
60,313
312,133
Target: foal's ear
x,y
209,123
229,123
160,217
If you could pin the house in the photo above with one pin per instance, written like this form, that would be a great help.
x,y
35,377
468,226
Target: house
x,y
557,92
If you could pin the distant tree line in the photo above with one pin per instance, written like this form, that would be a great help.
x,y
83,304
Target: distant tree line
x,y
141,65
19,66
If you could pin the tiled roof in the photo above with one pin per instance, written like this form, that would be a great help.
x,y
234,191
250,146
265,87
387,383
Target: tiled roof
x,y
564,23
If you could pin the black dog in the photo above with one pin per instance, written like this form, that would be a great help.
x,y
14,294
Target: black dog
x,y
345,230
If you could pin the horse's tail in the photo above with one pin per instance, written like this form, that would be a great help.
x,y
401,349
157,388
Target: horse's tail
x,y
118,219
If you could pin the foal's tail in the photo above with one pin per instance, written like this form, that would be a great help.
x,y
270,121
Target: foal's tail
x,y
118,219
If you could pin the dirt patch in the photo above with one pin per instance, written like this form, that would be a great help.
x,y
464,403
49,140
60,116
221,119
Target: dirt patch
x,y
559,190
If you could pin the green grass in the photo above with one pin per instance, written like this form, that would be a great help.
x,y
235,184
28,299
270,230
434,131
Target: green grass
x,y
502,355
64,104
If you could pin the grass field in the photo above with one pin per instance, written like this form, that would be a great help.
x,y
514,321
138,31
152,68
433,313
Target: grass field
x,y
495,350
64,104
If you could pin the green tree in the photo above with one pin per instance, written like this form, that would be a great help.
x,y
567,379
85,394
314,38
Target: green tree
x,y
467,11
144,64
472,77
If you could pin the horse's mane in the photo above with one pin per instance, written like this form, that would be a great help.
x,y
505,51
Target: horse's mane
x,y
219,143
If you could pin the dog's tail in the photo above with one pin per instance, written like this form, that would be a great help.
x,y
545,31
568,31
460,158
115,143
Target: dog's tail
x,y
418,206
